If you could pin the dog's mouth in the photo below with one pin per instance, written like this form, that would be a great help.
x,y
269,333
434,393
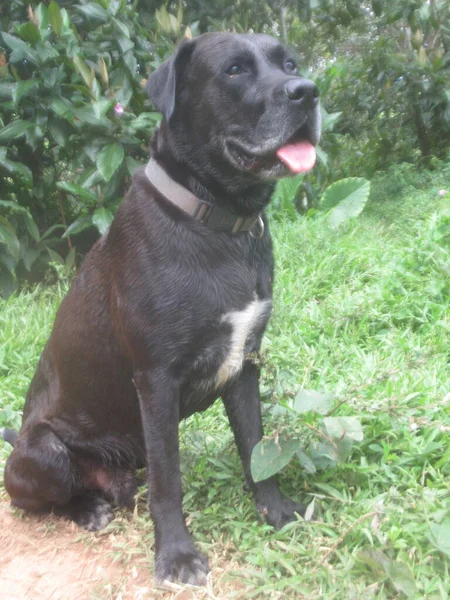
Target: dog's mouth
x,y
297,154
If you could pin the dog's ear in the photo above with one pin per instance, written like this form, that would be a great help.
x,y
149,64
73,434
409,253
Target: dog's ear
x,y
162,84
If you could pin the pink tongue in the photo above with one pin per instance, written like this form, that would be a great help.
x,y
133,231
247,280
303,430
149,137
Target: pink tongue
x,y
299,157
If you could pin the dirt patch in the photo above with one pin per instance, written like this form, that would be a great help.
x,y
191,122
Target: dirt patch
x,y
46,558
49,558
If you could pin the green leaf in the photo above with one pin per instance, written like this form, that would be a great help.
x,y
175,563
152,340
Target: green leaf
x,y
54,256
439,536
86,114
16,168
20,48
29,258
29,32
285,193
309,512
78,225
162,16
322,156
76,190
83,70
344,448
46,52
270,456
115,6
23,88
95,87
377,7
146,121
329,120
55,17
124,30
31,226
345,199
102,107
8,238
62,107
14,207
52,229
124,44
109,160
132,165
102,219
130,62
70,259
66,24
398,572
6,92
324,455
15,129
8,261
306,462
60,131
34,136
93,12
401,577
90,177
41,12
330,490
338,427
7,284
310,400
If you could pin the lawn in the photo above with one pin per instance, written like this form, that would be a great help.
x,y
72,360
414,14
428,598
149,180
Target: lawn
x,y
363,313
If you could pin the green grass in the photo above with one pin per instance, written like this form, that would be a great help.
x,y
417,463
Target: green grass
x,y
364,313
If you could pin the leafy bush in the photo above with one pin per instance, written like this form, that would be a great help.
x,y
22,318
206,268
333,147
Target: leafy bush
x,y
74,121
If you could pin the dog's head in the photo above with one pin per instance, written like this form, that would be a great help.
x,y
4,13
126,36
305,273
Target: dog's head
x,y
238,101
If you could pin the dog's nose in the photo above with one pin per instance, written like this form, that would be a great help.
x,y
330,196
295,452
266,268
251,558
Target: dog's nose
x,y
302,90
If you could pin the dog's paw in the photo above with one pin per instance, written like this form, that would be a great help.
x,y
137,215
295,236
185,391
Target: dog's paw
x,y
182,563
93,513
282,512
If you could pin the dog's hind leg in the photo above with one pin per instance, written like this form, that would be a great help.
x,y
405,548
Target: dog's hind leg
x,y
102,488
89,510
42,474
40,471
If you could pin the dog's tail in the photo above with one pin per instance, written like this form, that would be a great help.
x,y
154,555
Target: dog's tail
x,y
9,435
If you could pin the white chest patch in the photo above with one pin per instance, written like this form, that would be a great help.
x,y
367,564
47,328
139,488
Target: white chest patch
x,y
242,324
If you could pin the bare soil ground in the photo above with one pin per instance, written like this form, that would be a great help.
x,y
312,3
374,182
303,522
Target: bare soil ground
x,y
48,558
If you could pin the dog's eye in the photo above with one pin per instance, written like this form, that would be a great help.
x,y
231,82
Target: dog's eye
x,y
290,65
235,70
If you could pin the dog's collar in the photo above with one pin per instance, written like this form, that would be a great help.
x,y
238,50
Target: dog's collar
x,y
214,217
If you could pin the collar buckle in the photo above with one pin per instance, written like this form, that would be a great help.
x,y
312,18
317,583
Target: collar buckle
x,y
259,227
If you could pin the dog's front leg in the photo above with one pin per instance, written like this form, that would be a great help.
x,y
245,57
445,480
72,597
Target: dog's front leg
x,y
176,556
243,405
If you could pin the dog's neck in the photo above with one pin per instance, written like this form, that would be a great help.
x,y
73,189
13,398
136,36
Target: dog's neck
x,y
243,200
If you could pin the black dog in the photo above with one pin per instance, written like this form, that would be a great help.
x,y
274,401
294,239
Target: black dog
x,y
169,307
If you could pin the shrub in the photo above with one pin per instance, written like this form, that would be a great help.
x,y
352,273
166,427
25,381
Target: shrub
x,y
74,121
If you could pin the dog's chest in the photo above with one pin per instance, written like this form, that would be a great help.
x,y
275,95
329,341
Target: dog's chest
x,y
231,336
242,325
